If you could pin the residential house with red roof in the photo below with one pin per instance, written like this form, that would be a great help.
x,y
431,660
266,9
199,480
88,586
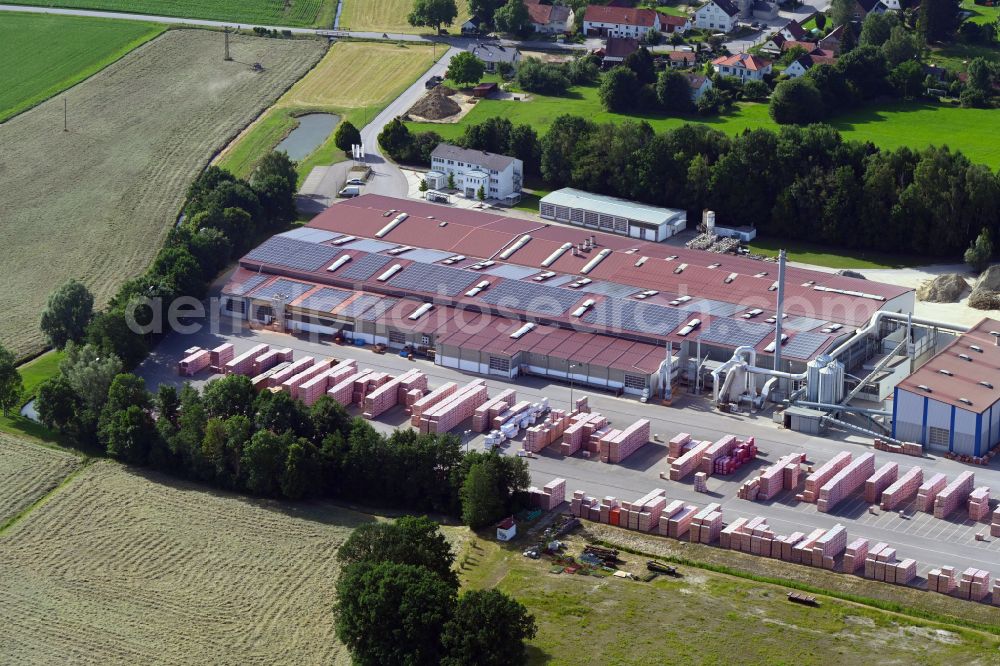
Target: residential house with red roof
x,y
606,21
550,19
805,62
744,66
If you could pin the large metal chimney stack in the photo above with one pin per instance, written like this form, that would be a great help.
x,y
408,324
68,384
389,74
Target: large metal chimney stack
x,y
779,311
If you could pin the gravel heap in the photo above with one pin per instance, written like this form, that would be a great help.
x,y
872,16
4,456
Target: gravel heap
x,y
947,288
436,104
986,292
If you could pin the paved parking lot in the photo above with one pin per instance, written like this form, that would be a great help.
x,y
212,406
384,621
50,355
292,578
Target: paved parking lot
x,y
932,542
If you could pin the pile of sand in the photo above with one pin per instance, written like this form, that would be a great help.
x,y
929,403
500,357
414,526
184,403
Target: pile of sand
x,y
436,104
947,288
986,292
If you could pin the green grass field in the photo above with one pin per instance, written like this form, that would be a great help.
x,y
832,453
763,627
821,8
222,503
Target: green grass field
x,y
981,13
819,255
295,13
914,124
33,373
44,55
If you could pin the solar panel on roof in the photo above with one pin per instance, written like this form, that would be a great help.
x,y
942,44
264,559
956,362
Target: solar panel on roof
x,y
635,316
370,245
530,296
427,256
358,306
612,289
364,267
560,280
251,283
735,332
714,308
380,308
325,299
511,271
292,253
803,345
288,289
433,279
802,323
309,235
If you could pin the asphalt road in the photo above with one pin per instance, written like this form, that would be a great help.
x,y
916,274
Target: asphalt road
x,y
932,542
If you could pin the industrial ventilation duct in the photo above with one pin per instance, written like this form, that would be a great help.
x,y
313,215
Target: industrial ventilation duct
x,y
396,221
521,242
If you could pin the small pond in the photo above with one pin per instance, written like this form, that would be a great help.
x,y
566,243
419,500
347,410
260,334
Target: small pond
x,y
313,130
29,412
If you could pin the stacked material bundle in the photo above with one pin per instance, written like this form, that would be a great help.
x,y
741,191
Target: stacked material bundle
x,y
582,426
292,384
581,405
855,555
742,453
782,475
387,396
876,484
221,355
740,534
290,370
788,545
511,413
974,584
955,494
679,522
196,361
263,380
669,511
342,391
903,489
688,462
700,482
817,479
942,580
313,388
243,364
551,495
845,482
582,505
411,397
454,409
611,511
881,564
678,445
415,382
619,447
545,433
363,387
429,400
271,358
802,551
872,557
995,525
646,512
733,528
485,413
979,503
928,492
829,546
706,524
720,447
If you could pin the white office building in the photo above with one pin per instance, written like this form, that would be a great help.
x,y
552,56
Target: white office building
x,y
500,176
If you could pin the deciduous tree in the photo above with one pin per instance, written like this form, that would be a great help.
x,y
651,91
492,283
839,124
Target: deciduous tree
x,y
432,13
67,313
347,135
465,69
407,540
488,628
11,386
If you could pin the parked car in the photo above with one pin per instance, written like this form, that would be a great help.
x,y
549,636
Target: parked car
x,y
350,191
433,82
355,181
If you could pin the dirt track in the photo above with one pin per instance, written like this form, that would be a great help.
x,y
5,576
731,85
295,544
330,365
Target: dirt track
x,y
95,202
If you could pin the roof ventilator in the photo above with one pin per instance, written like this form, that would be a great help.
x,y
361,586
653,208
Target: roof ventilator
x,y
396,221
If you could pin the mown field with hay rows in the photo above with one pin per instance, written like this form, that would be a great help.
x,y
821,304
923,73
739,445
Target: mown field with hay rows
x,y
27,473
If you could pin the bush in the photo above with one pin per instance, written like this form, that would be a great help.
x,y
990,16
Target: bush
x,y
619,89
796,101
533,75
755,91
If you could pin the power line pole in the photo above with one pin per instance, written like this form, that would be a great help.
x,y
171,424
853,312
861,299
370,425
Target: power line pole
x,y
225,31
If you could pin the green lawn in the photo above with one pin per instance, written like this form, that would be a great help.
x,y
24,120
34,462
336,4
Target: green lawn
x,y
820,255
308,13
33,373
981,13
915,124
43,55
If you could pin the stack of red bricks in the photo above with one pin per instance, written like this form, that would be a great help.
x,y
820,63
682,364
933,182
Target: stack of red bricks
x,y
292,384
271,358
644,513
732,531
454,409
727,454
788,544
995,524
388,395
581,404
342,390
290,370
429,400
367,384
827,471
584,506
942,580
876,484
581,428
628,441
678,445
906,448
482,419
221,355
312,389
551,495
719,448
974,584
243,364
802,551
548,432
929,490
845,482
510,412
195,360
954,495
855,555
979,503
902,489
689,461
881,564
414,382
829,546
706,524
263,380
669,510
678,522
700,482
782,475
412,396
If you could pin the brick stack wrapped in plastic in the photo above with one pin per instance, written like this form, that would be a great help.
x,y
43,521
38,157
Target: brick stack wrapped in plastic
x,y
195,360
979,503
902,489
876,484
954,495
826,471
782,475
845,482
243,364
928,492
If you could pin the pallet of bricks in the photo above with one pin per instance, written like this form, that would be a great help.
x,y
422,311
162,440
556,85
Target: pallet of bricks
x,y
676,519
342,390
279,376
974,584
551,495
315,387
995,523
979,503
482,418
271,358
364,385
855,555
942,580
221,355
454,409
195,360
831,545
819,477
954,495
928,492
902,489
727,454
391,393
263,380
689,458
626,442
243,364
845,482
881,564
644,513
426,402
876,484
706,524
581,427
782,475
547,432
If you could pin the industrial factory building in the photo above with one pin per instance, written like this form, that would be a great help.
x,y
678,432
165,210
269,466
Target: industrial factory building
x,y
612,215
503,296
952,403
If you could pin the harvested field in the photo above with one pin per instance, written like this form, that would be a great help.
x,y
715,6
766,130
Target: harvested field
x,y
43,55
27,473
390,16
95,202
118,567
